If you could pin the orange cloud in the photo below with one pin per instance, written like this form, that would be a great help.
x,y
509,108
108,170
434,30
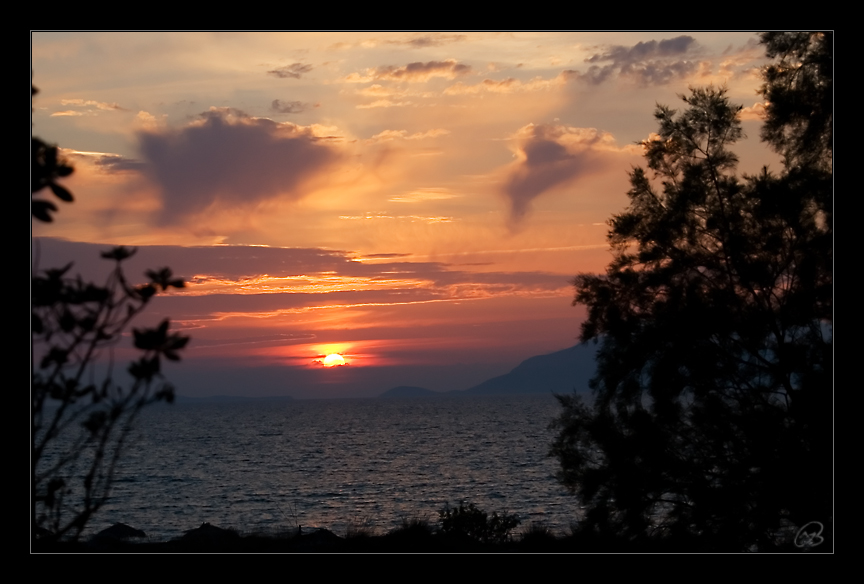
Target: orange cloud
x,y
388,135
754,112
424,194
509,85
84,103
413,72
384,103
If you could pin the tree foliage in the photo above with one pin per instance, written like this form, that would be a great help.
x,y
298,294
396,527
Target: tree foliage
x,y
45,168
712,413
799,90
81,417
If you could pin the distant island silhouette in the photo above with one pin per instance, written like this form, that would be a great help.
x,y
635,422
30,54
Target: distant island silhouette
x,y
562,372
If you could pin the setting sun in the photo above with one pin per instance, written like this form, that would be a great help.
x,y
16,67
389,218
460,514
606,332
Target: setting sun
x,y
333,360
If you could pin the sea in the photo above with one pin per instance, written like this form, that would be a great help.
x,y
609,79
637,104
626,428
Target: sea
x,y
270,466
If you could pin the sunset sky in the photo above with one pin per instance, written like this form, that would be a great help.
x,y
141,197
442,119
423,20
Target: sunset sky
x,y
417,202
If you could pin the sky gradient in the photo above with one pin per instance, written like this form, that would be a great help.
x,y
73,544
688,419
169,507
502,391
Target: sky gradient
x,y
416,202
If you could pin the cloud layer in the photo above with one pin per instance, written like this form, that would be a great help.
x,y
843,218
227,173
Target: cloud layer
x,y
228,157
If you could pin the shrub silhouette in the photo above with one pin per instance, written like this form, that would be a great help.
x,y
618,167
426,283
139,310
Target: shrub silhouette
x,y
81,418
473,523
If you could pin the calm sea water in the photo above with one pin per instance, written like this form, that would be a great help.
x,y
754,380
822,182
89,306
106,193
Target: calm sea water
x,y
269,466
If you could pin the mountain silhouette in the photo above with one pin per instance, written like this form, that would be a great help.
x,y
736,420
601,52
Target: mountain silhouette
x,y
561,372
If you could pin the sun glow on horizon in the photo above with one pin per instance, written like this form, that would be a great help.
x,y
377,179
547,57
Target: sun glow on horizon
x,y
333,360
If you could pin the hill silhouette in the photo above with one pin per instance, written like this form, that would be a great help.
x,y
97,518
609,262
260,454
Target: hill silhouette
x,y
561,372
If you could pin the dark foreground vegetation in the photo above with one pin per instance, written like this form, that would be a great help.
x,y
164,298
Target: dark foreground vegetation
x,y
81,416
413,537
463,529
